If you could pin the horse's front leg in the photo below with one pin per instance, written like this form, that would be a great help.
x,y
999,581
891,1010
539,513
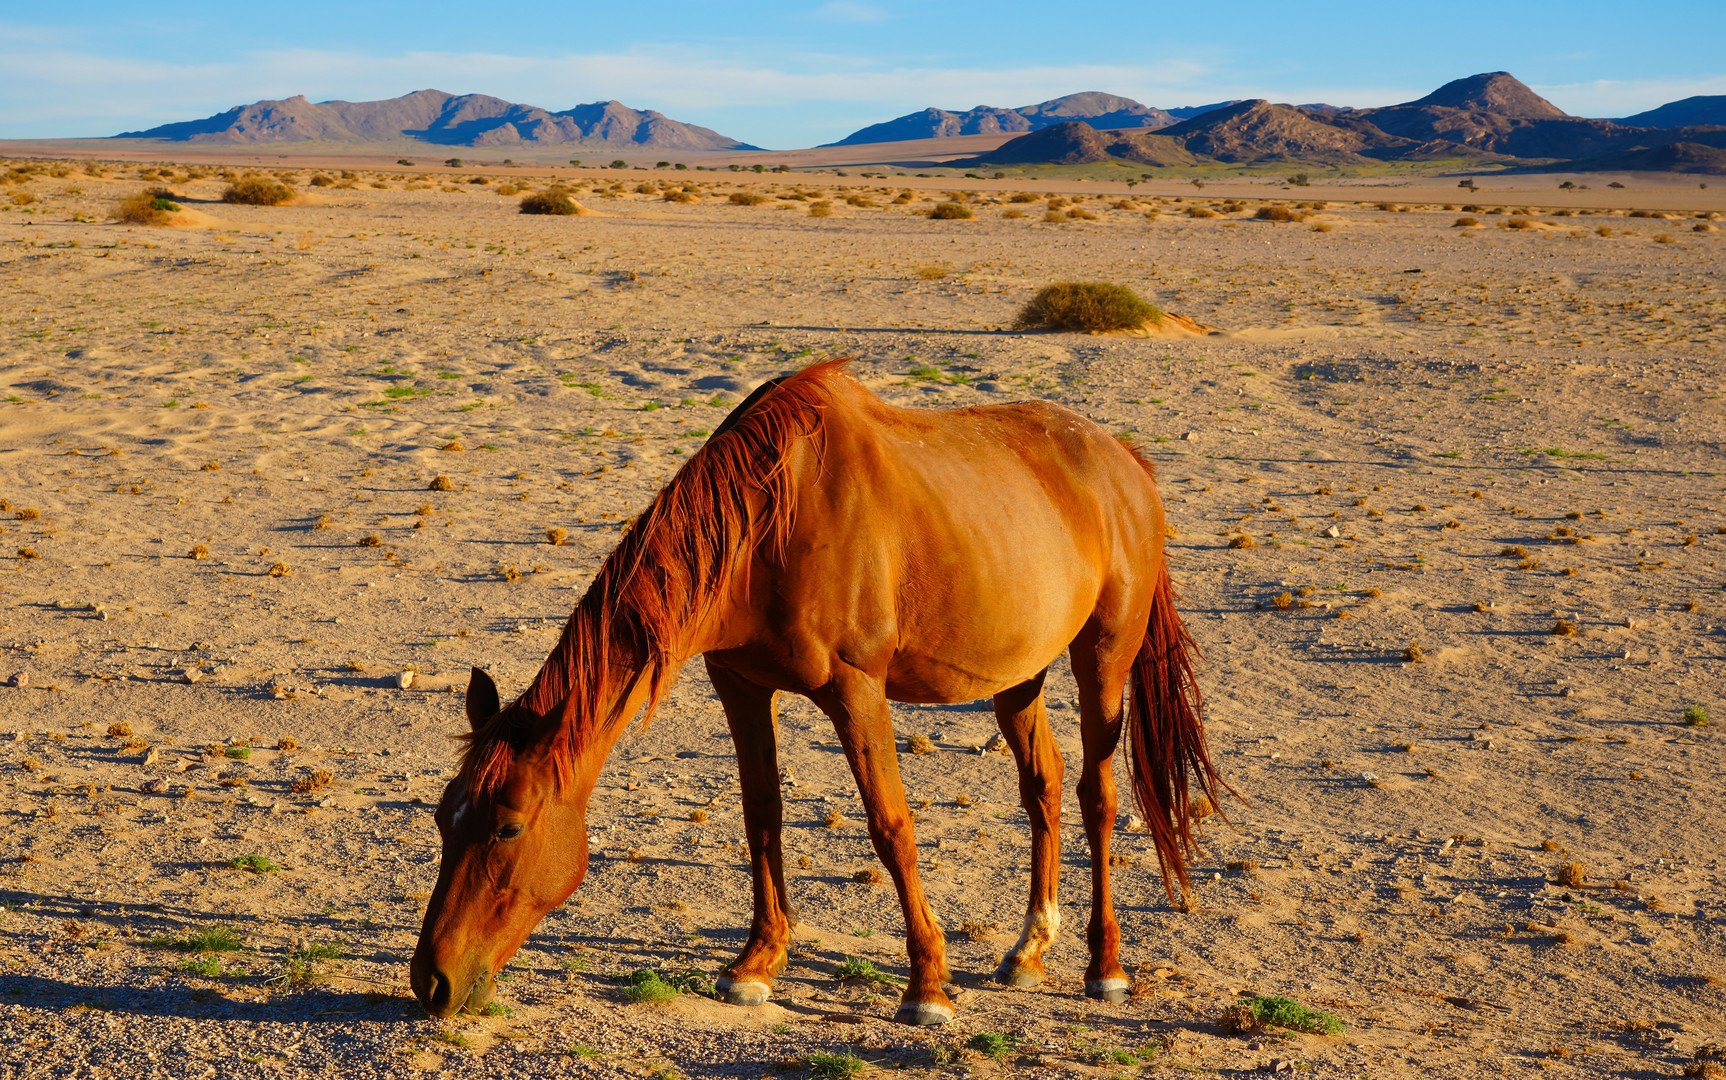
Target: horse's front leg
x,y
748,980
857,703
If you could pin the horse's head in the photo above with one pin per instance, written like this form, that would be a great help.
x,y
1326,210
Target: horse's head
x,y
514,834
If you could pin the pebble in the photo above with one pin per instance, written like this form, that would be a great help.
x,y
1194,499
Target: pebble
x,y
1333,532
405,680
151,756
191,675
1369,777
19,679
1135,823
996,745
154,786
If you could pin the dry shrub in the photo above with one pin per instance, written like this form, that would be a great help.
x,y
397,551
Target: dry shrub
x,y
316,780
1465,223
1012,214
1571,875
440,483
679,196
149,207
551,202
822,208
870,876
556,536
1087,306
1022,197
1520,223
951,211
257,191
1200,212
920,744
1243,542
1564,628
1414,654
1278,212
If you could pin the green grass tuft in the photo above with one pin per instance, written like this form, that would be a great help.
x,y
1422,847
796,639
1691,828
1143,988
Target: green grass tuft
x,y
647,988
834,1065
992,1045
211,939
1252,1014
257,864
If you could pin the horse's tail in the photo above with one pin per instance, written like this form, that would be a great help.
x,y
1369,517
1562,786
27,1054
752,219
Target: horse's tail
x,y
1166,737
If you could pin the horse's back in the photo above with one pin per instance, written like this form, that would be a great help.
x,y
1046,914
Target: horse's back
x,y
970,544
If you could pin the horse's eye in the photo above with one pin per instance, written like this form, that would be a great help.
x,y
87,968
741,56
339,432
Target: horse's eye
x,y
509,831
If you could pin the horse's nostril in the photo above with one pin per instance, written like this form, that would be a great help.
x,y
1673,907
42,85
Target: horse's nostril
x,y
439,993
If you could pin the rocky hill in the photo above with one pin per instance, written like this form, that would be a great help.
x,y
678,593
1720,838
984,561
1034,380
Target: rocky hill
x,y
433,116
1489,117
1101,111
1704,110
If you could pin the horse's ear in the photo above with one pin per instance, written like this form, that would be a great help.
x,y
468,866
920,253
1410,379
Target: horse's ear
x,y
482,703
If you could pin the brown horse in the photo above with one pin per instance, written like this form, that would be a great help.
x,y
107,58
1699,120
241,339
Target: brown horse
x,y
827,544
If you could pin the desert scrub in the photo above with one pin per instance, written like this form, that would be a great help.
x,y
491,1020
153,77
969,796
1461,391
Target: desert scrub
x,y
1087,305
1696,716
257,864
150,207
1278,212
951,211
551,202
257,191
1254,1014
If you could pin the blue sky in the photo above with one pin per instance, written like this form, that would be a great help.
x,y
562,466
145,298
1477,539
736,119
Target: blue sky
x,y
789,74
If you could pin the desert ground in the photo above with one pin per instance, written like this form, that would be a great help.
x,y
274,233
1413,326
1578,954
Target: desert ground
x,y
1446,517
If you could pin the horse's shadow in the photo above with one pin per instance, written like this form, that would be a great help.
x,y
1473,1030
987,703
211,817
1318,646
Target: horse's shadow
x,y
316,1004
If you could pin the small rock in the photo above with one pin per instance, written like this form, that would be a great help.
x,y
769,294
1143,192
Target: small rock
x,y
405,680
154,786
191,675
1370,778
151,756
328,802
19,679
1135,823
1189,436
996,745
1333,532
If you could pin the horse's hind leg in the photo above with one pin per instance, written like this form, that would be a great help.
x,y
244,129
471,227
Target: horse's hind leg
x,y
1101,666
748,980
857,702
1025,723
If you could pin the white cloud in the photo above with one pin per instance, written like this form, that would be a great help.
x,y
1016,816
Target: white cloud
x,y
1611,97
845,11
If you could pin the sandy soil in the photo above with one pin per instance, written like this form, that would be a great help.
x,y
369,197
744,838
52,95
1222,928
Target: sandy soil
x,y
1395,404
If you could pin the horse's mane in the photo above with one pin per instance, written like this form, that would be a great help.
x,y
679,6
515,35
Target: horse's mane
x,y
664,576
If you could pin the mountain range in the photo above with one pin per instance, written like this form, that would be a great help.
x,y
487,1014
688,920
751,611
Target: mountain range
x,y
1490,118
432,116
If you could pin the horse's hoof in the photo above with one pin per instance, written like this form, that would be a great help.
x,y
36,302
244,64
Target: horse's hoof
x,y
748,993
1012,974
923,1014
1113,991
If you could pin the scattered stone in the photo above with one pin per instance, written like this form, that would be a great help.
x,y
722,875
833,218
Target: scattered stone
x,y
151,756
1333,532
154,786
1371,778
996,745
191,675
1189,436
1135,823
405,680
19,679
